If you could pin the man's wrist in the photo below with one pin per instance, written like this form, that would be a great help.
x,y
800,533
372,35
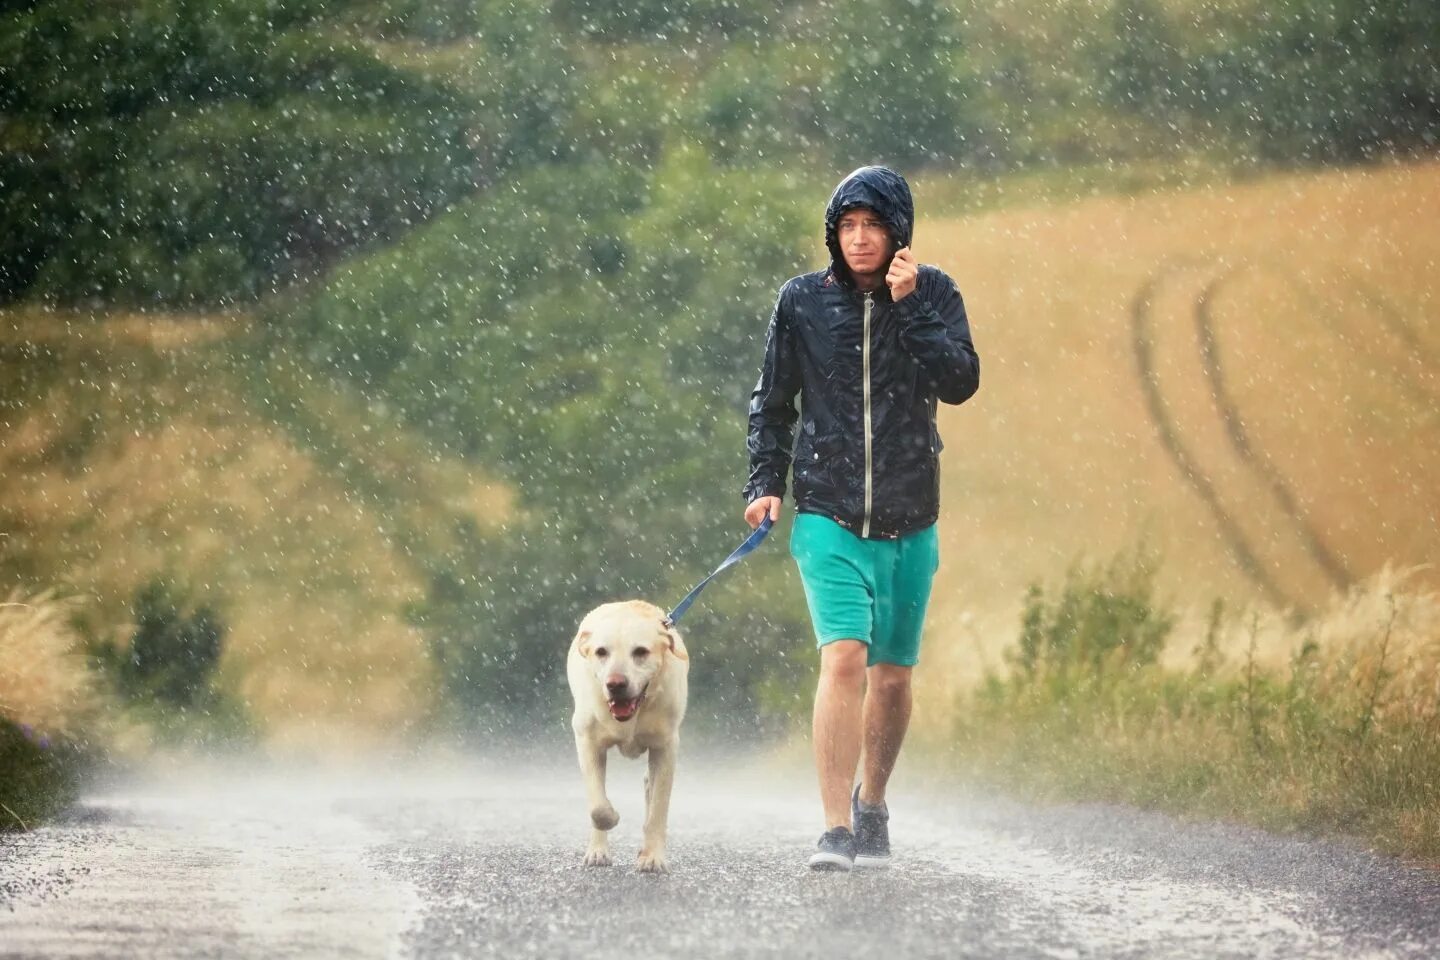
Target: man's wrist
x,y
911,306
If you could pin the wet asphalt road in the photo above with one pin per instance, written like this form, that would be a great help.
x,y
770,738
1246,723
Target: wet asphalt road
x,y
483,859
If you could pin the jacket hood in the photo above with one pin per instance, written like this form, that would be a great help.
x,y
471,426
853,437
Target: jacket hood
x,y
882,190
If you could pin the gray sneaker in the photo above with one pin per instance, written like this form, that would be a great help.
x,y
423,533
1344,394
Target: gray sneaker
x,y
835,851
872,833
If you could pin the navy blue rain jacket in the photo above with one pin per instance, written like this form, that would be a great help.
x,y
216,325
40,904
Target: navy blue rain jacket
x,y
867,450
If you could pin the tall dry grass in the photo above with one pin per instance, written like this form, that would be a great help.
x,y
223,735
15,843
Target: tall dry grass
x,y
44,683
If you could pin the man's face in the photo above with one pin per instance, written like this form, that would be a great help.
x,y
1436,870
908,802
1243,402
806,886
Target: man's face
x,y
864,240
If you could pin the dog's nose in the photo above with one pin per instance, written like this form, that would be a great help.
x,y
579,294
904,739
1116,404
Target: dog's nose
x,y
615,684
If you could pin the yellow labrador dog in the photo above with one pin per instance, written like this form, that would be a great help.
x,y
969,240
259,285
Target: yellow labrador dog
x,y
628,674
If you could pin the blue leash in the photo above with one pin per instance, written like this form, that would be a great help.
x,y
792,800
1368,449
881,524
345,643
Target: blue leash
x,y
751,542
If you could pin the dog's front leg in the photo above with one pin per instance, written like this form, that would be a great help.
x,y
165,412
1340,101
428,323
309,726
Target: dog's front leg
x,y
602,815
657,808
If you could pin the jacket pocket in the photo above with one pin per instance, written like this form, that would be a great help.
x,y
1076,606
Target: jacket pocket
x,y
820,460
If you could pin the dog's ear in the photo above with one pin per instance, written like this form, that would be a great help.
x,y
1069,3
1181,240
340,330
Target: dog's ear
x,y
582,639
677,645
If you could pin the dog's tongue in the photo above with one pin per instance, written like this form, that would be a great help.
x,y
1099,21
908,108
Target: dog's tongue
x,y
624,709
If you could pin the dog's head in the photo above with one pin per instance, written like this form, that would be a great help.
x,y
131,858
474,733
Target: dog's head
x,y
625,646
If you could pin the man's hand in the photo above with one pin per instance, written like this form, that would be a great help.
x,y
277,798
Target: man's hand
x,y
761,506
900,278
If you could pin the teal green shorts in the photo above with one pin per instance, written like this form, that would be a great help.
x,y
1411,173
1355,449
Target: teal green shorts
x,y
875,591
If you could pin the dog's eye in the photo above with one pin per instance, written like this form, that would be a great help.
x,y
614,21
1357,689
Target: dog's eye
x,y
640,653
601,653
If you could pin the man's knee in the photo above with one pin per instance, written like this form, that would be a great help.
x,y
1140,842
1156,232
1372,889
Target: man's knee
x,y
842,662
889,680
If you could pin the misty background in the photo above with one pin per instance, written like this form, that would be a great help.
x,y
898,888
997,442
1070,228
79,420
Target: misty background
x,y
351,351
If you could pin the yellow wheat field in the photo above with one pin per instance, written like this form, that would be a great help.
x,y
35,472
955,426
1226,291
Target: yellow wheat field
x,y
1246,377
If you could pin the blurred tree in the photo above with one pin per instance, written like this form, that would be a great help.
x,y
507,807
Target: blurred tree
x,y
168,150
1328,80
1146,70
895,91
759,106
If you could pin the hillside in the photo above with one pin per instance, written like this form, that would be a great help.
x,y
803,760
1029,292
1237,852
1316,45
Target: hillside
x,y
1246,377
130,449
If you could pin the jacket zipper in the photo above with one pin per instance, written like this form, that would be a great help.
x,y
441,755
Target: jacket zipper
x,y
865,355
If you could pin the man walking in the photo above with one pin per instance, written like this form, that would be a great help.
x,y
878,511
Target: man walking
x,y
869,345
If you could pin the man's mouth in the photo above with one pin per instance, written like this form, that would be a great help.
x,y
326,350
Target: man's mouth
x,y
622,709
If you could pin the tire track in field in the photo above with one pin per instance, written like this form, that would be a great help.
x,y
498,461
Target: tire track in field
x,y
1416,381
1249,453
1190,469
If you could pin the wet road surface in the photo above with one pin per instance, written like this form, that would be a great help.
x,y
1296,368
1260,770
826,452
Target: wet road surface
x,y
483,859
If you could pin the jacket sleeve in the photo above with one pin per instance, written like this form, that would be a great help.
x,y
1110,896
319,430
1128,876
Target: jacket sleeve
x,y
772,408
936,333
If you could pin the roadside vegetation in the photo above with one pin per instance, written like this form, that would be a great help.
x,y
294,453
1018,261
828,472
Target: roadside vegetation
x,y
48,708
1327,724
78,695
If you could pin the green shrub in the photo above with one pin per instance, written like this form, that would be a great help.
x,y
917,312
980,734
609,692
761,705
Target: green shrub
x,y
166,674
1103,619
172,655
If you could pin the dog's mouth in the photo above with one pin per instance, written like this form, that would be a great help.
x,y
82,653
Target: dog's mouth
x,y
622,709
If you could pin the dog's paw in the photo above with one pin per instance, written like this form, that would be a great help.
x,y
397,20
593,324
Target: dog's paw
x,y
604,818
651,863
597,857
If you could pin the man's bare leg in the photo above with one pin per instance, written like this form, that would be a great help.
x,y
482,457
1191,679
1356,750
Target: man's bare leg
x,y
837,726
886,717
